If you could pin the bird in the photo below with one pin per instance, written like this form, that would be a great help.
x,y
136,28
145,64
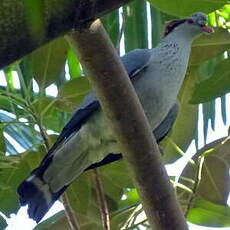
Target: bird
x,y
87,141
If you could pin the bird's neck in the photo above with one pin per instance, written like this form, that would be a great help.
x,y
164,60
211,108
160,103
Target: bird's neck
x,y
183,35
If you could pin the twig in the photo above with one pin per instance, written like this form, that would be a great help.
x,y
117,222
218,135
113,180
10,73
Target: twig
x,y
70,214
196,184
101,200
136,225
43,134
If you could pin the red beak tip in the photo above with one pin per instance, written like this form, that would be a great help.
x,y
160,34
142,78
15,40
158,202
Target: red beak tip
x,y
208,29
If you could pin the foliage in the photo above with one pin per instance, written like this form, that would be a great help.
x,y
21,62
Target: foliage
x,y
28,116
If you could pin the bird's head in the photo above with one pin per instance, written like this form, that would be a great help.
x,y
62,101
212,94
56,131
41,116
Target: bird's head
x,y
196,24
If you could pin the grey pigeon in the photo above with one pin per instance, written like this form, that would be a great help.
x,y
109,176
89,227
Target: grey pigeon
x,y
87,141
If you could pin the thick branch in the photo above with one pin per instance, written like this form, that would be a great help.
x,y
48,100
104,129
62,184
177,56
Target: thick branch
x,y
21,33
122,108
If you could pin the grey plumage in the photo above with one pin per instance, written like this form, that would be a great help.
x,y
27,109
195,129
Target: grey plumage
x,y
156,74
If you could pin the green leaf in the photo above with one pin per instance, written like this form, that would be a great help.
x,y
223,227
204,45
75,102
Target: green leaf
x,y
184,8
74,64
157,25
111,24
131,199
47,63
217,85
208,109
224,109
215,173
187,117
2,141
209,214
135,25
79,194
23,134
71,93
56,222
12,177
60,222
8,162
214,180
118,174
3,223
43,105
209,46
55,120
119,218
82,195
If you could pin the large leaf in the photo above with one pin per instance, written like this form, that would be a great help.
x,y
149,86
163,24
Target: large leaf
x,y
82,195
24,135
209,115
3,223
47,63
74,64
56,222
135,17
210,177
117,174
43,106
2,141
217,85
11,177
157,25
111,24
187,7
121,218
187,117
209,214
208,46
79,194
71,93
55,120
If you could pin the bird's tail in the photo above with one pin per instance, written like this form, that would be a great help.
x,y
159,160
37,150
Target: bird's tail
x,y
37,194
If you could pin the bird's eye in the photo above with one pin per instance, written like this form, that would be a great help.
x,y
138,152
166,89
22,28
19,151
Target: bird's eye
x,y
190,21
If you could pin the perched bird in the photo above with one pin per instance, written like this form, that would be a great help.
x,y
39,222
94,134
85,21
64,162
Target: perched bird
x,y
87,141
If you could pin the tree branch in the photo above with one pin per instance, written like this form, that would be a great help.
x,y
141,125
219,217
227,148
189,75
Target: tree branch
x,y
70,214
18,31
101,200
197,179
127,119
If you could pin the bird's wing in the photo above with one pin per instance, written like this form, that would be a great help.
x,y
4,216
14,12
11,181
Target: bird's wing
x,y
134,61
160,132
166,125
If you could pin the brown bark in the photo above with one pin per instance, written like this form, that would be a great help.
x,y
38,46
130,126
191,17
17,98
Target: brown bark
x,y
20,35
122,108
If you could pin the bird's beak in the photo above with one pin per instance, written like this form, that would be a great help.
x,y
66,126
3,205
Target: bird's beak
x,y
208,29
